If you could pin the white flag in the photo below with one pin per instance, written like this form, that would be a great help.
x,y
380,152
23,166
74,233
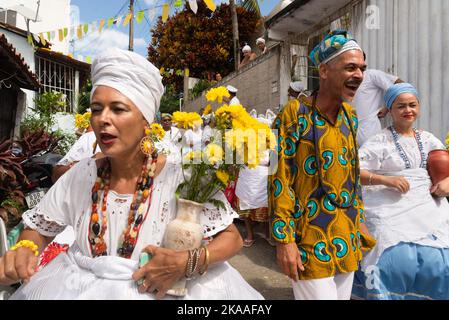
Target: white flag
x,y
118,21
152,14
193,6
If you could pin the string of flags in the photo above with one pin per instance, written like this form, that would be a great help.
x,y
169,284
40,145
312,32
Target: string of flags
x,y
123,20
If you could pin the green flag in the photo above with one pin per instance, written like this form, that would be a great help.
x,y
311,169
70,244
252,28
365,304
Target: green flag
x,y
140,15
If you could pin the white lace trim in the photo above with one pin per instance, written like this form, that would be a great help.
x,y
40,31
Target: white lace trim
x,y
215,220
39,221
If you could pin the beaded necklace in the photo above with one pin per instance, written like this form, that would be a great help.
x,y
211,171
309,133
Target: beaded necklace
x,y
144,191
401,151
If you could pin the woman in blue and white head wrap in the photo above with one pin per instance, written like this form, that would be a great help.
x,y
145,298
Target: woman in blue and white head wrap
x,y
404,212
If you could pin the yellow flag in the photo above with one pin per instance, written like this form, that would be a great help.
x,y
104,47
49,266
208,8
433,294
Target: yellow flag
x,y
110,22
128,18
140,15
165,12
89,59
30,39
187,72
80,31
161,70
61,35
210,4
101,25
41,36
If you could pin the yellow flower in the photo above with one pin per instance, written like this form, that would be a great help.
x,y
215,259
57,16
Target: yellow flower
x,y
82,121
186,120
207,110
189,156
157,130
214,153
222,176
217,94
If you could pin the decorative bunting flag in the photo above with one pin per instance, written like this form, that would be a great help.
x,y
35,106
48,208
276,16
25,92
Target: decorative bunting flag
x,y
61,35
79,31
161,70
66,32
110,22
101,25
127,19
89,59
193,6
53,35
41,37
187,72
178,72
152,14
30,39
118,21
86,28
210,4
49,36
178,4
140,15
165,12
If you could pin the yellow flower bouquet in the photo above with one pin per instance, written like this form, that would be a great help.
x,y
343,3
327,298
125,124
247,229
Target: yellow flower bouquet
x,y
82,121
243,141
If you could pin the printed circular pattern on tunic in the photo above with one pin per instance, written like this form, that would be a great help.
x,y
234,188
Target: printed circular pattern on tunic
x,y
342,157
298,211
303,124
310,165
312,205
328,157
277,187
290,147
341,247
320,252
354,248
279,230
327,202
304,256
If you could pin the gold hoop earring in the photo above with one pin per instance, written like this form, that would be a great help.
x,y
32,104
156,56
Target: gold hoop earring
x,y
147,144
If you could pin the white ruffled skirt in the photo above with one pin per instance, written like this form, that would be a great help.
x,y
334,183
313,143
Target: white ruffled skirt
x,y
72,276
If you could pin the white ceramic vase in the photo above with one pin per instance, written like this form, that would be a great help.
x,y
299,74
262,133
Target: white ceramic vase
x,y
184,233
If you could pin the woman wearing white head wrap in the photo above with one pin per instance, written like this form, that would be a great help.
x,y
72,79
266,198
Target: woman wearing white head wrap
x,y
248,56
120,205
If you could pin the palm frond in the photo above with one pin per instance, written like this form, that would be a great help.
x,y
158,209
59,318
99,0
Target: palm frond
x,y
250,5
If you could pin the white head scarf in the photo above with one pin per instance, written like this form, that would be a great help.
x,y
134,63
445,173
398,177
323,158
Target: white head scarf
x,y
131,74
231,89
260,40
246,48
350,45
297,86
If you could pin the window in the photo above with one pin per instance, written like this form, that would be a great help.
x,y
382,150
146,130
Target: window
x,y
8,17
57,77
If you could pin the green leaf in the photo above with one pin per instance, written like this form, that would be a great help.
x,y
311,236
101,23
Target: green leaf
x,y
217,203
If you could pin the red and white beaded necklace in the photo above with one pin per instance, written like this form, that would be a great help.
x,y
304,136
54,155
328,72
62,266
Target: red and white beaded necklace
x,y
137,214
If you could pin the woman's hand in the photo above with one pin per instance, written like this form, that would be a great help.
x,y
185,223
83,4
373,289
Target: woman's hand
x,y
162,271
399,183
441,189
18,265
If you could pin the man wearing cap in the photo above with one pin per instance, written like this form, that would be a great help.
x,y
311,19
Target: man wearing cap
x,y
295,88
260,42
315,199
172,138
232,100
248,56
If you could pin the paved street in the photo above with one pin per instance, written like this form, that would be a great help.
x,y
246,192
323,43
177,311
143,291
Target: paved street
x,y
258,266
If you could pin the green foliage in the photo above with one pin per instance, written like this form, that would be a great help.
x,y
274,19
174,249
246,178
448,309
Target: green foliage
x,y
201,42
198,89
169,101
66,141
84,98
46,105
250,5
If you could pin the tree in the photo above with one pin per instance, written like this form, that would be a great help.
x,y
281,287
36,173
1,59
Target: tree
x,y
251,5
201,42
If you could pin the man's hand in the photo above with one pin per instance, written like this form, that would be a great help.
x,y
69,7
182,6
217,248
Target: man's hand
x,y
382,113
289,259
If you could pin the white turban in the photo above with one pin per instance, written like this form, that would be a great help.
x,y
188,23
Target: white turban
x,y
231,89
260,40
246,48
297,86
131,74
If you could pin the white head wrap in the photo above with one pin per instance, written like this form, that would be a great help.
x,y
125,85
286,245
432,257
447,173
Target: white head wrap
x,y
231,89
297,86
260,40
350,45
131,74
246,48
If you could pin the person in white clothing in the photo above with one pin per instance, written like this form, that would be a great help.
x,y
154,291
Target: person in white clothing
x,y
171,143
232,100
407,215
120,207
368,102
260,42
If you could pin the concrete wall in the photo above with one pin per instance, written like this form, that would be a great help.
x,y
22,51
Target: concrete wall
x,y
258,84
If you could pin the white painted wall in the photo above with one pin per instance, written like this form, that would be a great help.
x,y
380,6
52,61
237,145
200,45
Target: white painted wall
x,y
54,14
410,39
